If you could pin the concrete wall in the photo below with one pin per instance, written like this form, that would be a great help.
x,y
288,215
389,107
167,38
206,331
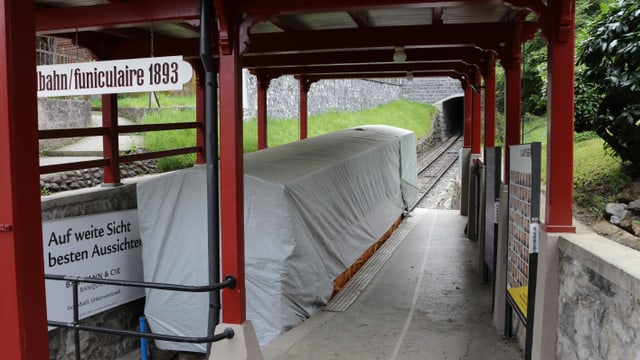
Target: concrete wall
x,y
598,299
61,114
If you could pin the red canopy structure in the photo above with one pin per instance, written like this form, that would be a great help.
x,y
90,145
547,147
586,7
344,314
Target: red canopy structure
x,y
313,40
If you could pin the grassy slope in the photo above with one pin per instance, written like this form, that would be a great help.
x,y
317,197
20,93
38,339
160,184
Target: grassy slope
x,y
405,114
598,177
400,113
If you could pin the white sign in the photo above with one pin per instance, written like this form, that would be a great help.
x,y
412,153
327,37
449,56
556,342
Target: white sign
x,y
111,77
102,246
534,238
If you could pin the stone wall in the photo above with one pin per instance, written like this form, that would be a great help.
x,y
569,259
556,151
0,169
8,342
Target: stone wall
x,y
599,299
86,178
94,345
430,90
344,95
324,96
62,114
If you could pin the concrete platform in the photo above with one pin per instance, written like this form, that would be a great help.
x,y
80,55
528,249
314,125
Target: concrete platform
x,y
425,303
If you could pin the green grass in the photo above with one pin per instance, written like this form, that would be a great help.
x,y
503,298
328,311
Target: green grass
x,y
401,113
409,115
141,100
535,130
171,139
598,177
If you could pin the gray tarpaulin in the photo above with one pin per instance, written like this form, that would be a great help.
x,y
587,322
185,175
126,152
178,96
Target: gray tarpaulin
x,y
311,208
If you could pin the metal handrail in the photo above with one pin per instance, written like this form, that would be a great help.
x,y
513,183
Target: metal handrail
x,y
228,282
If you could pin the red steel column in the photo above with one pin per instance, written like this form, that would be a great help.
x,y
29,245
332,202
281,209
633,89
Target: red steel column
x,y
304,113
512,92
231,178
476,115
110,143
467,114
22,297
263,86
490,103
559,196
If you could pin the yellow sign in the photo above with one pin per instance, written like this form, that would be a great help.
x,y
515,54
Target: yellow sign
x,y
520,297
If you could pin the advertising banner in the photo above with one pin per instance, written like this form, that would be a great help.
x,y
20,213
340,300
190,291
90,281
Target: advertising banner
x,y
102,246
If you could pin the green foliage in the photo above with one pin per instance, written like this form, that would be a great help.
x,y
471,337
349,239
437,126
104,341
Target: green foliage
x,y
584,136
172,139
597,177
611,59
534,77
141,100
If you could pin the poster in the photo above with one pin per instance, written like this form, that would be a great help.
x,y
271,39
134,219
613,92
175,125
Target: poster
x,y
103,246
524,212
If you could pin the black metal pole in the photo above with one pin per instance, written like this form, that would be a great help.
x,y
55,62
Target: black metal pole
x,y
207,15
76,320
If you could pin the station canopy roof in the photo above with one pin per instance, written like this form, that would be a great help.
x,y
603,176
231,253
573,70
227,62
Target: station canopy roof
x,y
314,39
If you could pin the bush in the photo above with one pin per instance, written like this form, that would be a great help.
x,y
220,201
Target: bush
x,y
611,59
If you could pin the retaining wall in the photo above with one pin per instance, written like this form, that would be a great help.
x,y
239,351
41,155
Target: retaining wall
x,y
599,299
344,95
62,114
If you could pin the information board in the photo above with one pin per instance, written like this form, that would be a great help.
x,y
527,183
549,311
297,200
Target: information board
x,y
524,210
493,172
103,246
522,244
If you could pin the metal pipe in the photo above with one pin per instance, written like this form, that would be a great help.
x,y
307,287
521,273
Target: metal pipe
x,y
76,319
228,282
227,333
207,14
144,349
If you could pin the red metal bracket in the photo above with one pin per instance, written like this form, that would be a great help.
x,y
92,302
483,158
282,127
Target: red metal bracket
x,y
226,26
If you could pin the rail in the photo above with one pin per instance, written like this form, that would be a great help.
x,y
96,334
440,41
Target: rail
x,y
111,158
228,282
434,165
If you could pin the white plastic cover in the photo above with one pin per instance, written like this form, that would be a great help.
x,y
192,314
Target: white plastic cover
x,y
311,209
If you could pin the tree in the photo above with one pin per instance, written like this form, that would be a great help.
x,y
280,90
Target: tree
x,y
610,80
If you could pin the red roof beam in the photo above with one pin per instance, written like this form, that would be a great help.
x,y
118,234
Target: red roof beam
x,y
486,36
121,14
388,75
368,68
467,54
297,6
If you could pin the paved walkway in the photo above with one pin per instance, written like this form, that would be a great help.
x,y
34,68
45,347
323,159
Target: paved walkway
x,y
425,303
90,148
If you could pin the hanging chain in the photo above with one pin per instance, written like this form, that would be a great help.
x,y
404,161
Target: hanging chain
x,y
152,41
77,47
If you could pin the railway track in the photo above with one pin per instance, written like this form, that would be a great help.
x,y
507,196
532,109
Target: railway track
x,y
434,164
